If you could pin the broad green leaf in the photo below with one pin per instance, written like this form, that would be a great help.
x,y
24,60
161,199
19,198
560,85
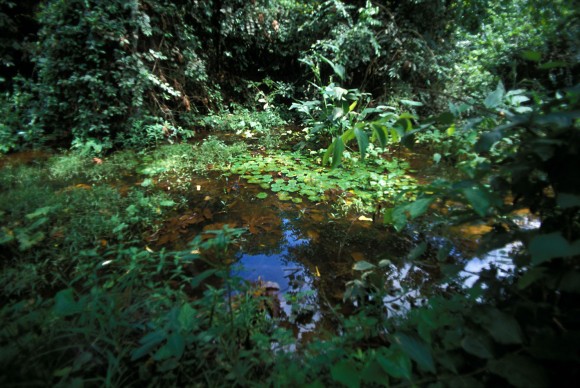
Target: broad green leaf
x,y
546,247
338,69
345,372
374,373
487,140
451,130
494,98
396,364
65,304
380,131
566,201
336,149
417,251
502,327
477,345
419,207
176,344
363,266
395,135
417,350
363,141
148,343
167,203
480,199
530,277
437,158
186,317
337,113
261,195
519,371
147,182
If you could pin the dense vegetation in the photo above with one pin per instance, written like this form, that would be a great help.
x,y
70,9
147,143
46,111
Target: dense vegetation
x,y
108,108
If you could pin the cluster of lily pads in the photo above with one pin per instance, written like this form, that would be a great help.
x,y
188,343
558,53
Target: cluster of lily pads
x,y
292,176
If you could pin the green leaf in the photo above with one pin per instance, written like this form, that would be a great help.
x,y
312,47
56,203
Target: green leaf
x,y
417,251
445,118
502,327
186,317
437,158
566,201
363,266
531,55
336,149
396,364
363,141
530,277
65,304
167,203
337,113
352,106
451,130
553,65
344,372
487,140
546,247
417,350
479,198
519,371
43,211
261,195
197,280
374,373
338,69
381,133
477,345
419,207
494,98
411,103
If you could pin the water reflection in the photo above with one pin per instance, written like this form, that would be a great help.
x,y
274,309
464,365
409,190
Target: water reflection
x,y
278,267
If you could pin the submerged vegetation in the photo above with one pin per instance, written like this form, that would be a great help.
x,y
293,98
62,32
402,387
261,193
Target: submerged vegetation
x,y
150,148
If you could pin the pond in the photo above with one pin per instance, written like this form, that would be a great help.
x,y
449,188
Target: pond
x,y
306,251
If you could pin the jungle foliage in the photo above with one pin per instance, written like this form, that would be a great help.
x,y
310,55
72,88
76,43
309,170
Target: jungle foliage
x,y
311,100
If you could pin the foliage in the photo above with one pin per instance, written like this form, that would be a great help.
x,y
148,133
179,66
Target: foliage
x,y
46,222
335,115
292,176
264,126
508,32
19,124
509,336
